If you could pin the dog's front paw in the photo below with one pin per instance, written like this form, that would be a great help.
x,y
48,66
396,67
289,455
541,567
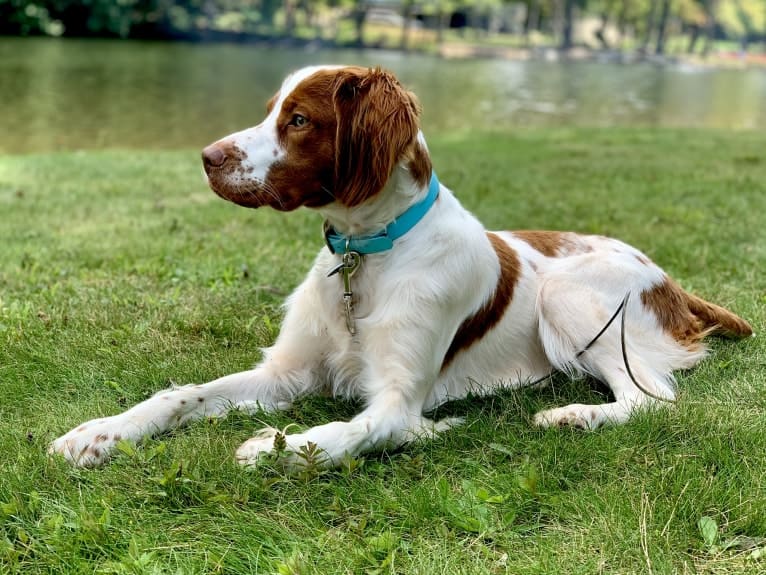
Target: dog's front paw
x,y
575,415
89,444
255,448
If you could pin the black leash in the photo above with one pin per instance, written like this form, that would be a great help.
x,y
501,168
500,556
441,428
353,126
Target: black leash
x,y
621,308
625,357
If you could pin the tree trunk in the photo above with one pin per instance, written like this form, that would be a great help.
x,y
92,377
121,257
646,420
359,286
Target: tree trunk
x,y
660,49
439,26
600,33
566,35
622,19
289,6
649,27
360,17
693,38
407,7
556,19
310,12
268,10
533,18
710,26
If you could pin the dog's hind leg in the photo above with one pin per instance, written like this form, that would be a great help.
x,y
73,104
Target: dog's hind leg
x,y
571,314
628,398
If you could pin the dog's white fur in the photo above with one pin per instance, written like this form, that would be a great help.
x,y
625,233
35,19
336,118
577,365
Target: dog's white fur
x,y
411,301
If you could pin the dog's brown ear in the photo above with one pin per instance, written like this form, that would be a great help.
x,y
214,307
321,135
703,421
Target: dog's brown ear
x,y
377,123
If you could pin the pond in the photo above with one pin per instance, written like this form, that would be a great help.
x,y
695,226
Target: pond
x,y
73,94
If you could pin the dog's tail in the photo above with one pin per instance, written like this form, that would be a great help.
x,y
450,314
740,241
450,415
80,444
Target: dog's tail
x,y
716,319
689,318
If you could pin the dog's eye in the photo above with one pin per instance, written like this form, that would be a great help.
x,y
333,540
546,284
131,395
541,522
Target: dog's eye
x,y
298,121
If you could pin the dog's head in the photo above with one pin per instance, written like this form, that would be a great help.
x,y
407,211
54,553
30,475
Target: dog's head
x,y
331,134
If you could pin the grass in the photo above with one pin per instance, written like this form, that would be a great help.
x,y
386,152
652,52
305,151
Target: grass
x,y
120,273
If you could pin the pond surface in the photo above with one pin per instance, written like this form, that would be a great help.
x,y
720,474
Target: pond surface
x,y
72,94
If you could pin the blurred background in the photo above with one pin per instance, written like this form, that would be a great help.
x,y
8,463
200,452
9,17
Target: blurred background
x,y
171,74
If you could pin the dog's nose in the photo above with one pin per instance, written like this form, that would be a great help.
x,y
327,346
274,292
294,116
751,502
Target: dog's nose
x,y
213,156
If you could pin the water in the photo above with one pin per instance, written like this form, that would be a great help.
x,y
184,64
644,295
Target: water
x,y
73,94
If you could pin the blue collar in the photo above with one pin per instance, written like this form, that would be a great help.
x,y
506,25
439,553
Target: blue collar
x,y
383,240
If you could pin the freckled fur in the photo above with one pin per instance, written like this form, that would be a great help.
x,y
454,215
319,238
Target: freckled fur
x,y
451,309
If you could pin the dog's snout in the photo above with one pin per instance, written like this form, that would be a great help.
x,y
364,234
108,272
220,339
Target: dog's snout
x,y
213,156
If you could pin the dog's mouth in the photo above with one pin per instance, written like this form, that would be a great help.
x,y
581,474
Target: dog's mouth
x,y
248,195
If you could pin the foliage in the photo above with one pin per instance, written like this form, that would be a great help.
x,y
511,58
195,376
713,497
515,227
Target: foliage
x,y
325,19
743,18
121,273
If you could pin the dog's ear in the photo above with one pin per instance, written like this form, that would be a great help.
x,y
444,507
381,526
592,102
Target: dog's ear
x,y
377,123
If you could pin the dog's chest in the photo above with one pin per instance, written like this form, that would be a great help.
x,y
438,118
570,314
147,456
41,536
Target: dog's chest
x,y
346,355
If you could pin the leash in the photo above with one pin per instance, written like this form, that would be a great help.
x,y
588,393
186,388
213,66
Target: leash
x,y
621,309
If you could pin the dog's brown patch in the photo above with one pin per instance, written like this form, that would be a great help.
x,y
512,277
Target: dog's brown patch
x,y
419,164
476,326
667,303
688,318
545,242
377,124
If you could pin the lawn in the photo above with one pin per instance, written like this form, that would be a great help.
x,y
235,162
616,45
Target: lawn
x,y
121,273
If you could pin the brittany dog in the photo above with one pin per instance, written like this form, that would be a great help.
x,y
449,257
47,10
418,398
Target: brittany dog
x,y
412,302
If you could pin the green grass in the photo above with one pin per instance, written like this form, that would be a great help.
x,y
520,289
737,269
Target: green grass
x,y
121,273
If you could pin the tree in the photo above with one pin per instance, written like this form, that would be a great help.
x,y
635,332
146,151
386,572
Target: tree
x,y
407,10
692,14
359,16
651,16
742,19
662,27
568,22
710,26
566,32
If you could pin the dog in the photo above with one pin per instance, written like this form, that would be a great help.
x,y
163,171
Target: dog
x,y
412,302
